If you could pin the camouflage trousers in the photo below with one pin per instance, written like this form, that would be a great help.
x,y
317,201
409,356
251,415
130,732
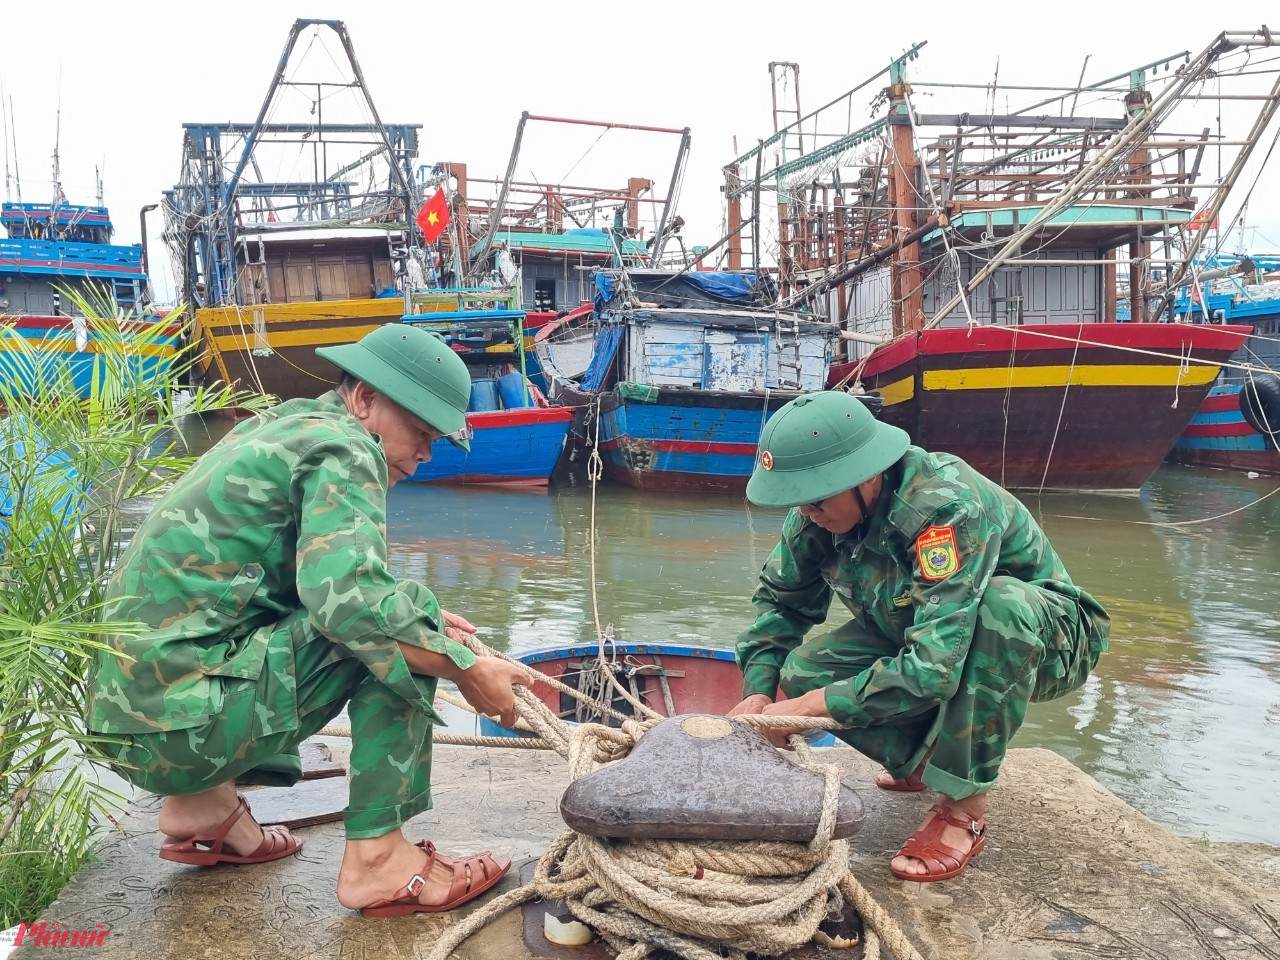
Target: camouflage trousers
x,y
390,766
1028,644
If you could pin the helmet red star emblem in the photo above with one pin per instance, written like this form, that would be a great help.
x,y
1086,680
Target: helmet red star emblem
x,y
766,460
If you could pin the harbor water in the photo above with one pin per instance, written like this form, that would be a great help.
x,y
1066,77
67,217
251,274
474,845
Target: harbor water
x,y
1182,718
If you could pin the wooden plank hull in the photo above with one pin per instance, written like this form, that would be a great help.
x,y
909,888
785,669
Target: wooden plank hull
x,y
1056,406
1218,436
687,440
272,347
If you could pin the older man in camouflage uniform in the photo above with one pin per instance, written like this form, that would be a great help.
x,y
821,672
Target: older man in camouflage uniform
x,y
962,613
261,578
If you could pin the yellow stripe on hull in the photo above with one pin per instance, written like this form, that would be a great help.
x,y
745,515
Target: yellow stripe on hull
x,y
237,318
1084,375
46,346
900,391
318,337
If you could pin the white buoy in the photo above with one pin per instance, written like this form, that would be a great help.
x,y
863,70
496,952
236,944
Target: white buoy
x,y
567,932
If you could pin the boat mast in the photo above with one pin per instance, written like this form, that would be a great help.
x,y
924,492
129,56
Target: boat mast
x,y
904,267
57,172
495,218
659,238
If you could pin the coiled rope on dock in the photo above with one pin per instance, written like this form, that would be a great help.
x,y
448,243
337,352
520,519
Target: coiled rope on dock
x,y
700,901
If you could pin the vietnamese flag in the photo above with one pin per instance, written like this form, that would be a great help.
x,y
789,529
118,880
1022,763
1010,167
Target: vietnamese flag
x,y
1201,220
434,216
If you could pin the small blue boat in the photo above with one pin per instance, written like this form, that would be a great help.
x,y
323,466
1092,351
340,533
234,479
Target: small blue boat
x,y
54,255
516,435
668,678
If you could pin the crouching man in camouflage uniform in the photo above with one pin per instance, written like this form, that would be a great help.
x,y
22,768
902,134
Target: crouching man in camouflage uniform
x,y
261,578
961,613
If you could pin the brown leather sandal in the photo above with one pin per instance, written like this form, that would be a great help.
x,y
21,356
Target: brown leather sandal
x,y
207,849
942,862
911,784
472,876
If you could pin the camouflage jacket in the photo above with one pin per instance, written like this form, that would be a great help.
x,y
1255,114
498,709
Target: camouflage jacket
x,y
287,512
914,573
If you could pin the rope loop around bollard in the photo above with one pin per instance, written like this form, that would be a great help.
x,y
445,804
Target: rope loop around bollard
x,y
715,900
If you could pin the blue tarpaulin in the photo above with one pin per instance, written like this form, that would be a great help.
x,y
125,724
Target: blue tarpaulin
x,y
697,289
604,289
723,286
607,341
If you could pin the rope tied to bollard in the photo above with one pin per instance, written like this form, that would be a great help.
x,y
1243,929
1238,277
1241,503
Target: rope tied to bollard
x,y
694,899
708,900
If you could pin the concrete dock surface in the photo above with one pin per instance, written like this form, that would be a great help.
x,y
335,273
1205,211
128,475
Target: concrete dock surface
x,y
1069,871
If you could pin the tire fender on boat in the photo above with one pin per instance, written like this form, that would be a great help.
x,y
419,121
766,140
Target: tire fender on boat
x,y
1260,403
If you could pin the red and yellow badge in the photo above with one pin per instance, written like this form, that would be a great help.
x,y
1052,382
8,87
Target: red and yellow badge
x,y
766,460
937,552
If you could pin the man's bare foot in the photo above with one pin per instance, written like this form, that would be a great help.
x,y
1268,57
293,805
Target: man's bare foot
x,y
959,838
200,814
377,868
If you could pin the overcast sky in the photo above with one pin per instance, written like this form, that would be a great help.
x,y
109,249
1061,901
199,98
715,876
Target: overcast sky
x,y
129,74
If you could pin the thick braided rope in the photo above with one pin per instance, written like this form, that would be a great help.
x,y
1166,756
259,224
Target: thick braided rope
x,y
698,901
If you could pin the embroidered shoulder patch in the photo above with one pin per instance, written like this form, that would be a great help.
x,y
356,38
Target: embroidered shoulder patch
x,y
936,550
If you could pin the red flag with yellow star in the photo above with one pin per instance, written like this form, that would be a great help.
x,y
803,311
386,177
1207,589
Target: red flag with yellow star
x,y
434,216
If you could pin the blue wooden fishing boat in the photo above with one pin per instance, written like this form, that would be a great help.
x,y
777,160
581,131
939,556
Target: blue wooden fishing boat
x,y
516,435
668,678
1237,426
54,258
684,371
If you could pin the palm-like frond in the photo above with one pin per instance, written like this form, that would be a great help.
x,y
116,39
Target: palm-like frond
x,y
69,467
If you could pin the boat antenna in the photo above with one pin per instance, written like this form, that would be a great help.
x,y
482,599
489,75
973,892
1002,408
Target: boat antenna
x,y
1075,99
8,179
17,175
97,176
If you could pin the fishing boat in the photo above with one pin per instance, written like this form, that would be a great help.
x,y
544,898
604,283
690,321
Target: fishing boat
x,y
668,678
517,436
972,258
685,369
321,252
56,260
1237,426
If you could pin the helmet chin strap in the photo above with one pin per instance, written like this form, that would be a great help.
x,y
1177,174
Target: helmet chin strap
x,y
862,504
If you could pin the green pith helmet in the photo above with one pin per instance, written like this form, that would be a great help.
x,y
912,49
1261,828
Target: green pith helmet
x,y
819,445
412,368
